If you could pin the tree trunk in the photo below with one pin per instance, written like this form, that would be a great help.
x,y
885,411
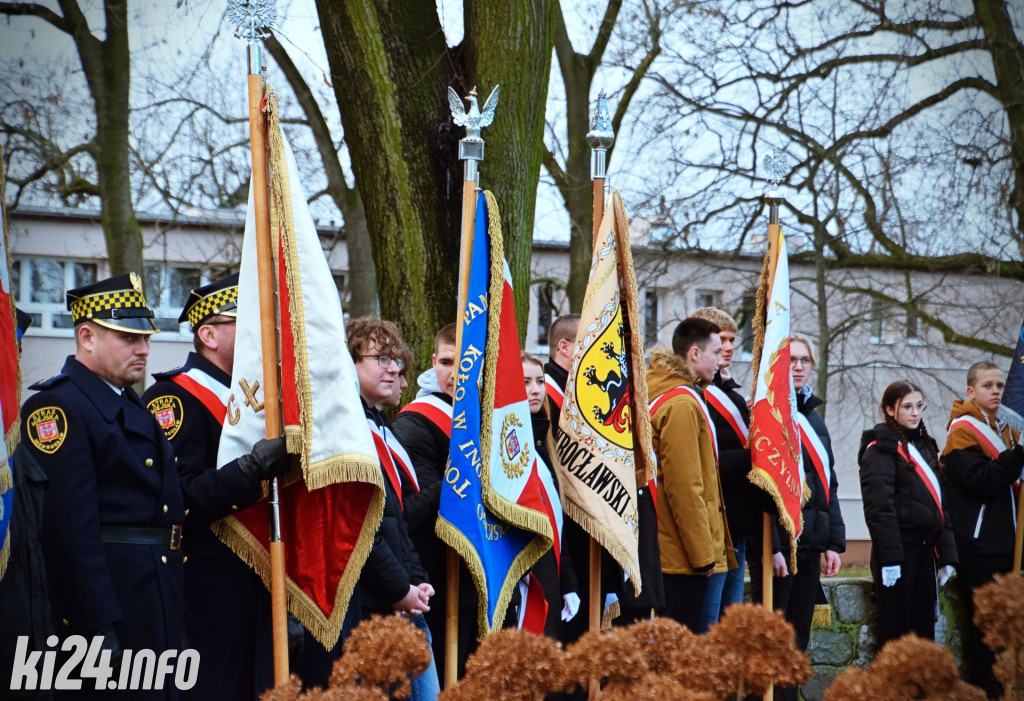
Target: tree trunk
x,y
509,43
391,69
362,278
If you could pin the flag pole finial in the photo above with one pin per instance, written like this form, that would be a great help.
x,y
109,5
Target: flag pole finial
x,y
252,19
774,166
471,148
600,137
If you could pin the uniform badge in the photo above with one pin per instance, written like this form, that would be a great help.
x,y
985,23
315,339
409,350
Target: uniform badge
x,y
168,412
514,455
47,429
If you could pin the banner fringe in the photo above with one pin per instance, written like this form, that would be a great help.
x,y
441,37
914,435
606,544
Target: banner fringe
x,y
765,482
5,553
342,468
6,479
1011,417
822,617
604,538
13,437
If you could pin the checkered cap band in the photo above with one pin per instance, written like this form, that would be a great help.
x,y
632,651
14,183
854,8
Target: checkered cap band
x,y
101,305
208,306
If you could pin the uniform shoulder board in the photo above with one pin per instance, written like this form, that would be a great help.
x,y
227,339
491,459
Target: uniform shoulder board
x,y
167,374
50,382
169,413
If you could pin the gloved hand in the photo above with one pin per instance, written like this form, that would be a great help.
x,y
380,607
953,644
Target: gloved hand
x,y
110,642
890,574
269,458
571,606
945,572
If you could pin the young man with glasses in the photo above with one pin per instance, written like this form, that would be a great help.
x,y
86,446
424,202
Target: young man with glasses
x,y
823,536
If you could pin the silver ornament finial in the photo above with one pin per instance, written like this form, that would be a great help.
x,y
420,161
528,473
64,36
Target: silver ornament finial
x,y
775,167
252,18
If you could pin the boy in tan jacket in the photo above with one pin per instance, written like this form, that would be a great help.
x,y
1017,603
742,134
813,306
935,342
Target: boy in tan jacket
x,y
692,530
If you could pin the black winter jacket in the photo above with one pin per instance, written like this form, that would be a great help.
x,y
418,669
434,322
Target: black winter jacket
x,y
898,506
393,564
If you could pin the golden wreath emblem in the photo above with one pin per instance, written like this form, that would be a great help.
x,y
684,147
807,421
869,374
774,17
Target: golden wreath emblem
x,y
515,456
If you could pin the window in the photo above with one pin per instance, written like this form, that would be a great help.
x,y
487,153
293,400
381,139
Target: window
x,y
877,322
167,290
545,312
708,298
745,319
40,284
915,336
650,318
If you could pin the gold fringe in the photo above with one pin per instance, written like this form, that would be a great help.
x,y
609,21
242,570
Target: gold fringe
x,y
822,617
13,437
761,479
643,450
345,468
609,614
759,322
457,541
604,538
293,439
255,554
5,552
6,479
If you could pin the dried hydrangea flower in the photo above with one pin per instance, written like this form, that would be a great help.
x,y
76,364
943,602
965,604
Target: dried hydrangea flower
x,y
999,611
383,651
511,665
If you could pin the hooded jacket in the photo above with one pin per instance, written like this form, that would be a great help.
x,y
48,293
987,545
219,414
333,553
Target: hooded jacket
x,y
977,491
898,506
692,529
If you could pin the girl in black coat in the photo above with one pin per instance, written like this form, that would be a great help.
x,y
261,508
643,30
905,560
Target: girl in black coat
x,y
910,535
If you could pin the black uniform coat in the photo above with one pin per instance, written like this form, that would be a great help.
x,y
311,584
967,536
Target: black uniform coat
x,y
108,464
228,608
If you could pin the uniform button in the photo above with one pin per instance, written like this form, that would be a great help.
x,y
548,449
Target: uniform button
x,y
184,559
165,508
149,462
186,512
175,458
65,621
163,559
234,508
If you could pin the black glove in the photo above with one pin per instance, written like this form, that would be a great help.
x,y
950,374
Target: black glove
x,y
110,642
269,458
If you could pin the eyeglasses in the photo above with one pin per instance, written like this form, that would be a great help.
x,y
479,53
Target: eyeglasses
x,y
385,361
920,406
802,360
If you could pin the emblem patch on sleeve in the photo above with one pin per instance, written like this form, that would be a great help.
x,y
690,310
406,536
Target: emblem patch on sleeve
x,y
47,429
168,412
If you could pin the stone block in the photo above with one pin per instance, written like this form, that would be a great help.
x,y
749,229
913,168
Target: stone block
x,y
866,646
852,601
830,647
816,686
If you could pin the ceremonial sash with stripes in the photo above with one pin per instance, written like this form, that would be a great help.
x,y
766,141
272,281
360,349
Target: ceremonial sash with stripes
x,y
811,442
922,469
659,401
720,401
393,458
992,444
434,409
211,393
554,391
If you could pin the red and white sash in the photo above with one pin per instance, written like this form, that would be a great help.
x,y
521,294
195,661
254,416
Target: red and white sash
x,y
658,402
393,458
912,455
720,401
989,440
434,409
811,442
211,392
554,391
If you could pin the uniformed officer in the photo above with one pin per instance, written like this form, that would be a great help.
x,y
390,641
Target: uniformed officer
x,y
228,608
113,510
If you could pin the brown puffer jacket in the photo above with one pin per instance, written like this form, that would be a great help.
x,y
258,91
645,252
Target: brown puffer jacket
x,y
692,530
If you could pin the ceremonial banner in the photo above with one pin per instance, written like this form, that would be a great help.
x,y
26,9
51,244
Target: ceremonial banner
x,y
499,508
1012,408
331,510
10,384
774,433
604,450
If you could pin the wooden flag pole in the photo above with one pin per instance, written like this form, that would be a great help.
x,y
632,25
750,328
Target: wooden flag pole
x,y
471,151
268,332
600,137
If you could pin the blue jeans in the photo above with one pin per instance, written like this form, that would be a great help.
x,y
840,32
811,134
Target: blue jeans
x,y
426,686
724,589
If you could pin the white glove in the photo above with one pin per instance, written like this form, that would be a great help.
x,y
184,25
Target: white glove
x,y
571,606
890,574
945,572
